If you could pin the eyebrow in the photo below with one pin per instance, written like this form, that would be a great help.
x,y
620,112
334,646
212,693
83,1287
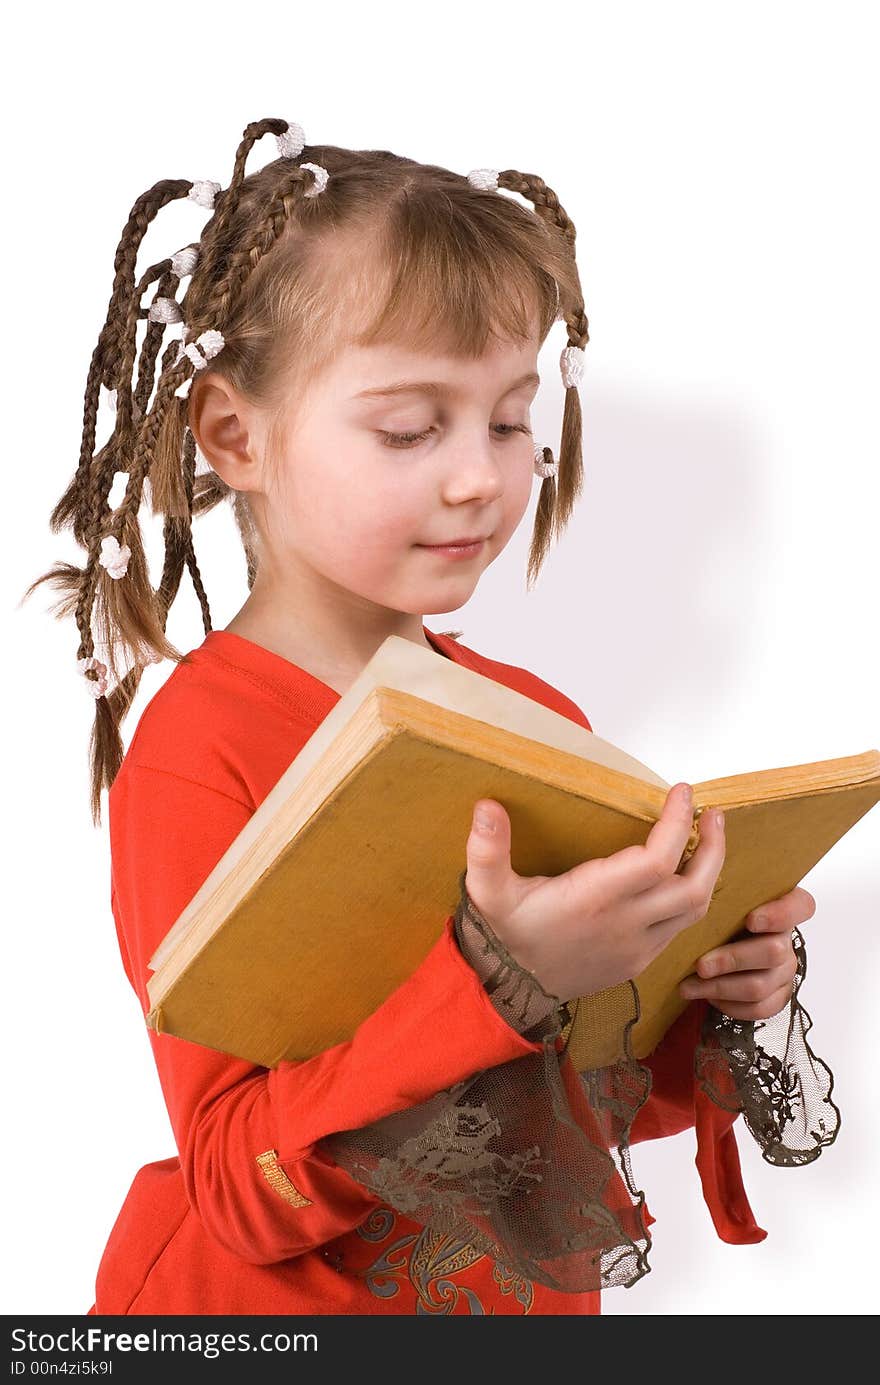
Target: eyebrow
x,y
436,387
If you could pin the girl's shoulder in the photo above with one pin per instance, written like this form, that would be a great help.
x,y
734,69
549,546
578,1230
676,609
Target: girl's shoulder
x,y
219,725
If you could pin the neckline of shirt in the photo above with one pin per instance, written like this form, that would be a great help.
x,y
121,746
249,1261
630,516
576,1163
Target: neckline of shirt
x,y
292,680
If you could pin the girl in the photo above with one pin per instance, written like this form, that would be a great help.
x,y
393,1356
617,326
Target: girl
x,y
357,357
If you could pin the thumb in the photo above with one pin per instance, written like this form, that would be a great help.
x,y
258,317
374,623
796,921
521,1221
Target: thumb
x,y
488,854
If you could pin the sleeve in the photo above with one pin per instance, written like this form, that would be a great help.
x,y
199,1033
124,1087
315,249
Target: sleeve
x,y
248,1137
767,1070
709,1067
518,1159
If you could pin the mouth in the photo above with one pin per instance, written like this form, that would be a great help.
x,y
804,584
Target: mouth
x,y
467,542
456,547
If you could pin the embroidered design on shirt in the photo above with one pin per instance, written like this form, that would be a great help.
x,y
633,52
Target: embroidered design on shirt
x,y
426,1263
278,1180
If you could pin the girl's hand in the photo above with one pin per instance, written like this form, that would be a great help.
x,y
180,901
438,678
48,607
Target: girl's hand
x,y
604,920
752,979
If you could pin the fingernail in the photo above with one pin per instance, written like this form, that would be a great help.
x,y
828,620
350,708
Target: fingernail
x,y
687,795
483,820
689,989
759,922
718,818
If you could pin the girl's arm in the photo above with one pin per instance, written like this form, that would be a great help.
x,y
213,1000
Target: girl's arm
x,y
705,1070
709,1067
517,1159
248,1137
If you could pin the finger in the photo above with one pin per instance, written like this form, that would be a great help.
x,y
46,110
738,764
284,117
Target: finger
x,y
746,954
488,855
773,1005
786,912
643,867
743,987
685,898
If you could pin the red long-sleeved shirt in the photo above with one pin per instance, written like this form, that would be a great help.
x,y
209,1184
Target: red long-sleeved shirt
x,y
251,1216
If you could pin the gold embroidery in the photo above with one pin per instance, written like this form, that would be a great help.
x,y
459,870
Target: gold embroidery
x,y
278,1180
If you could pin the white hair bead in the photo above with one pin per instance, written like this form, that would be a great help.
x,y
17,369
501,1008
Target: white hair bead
x,y
204,191
544,468
200,352
165,310
571,363
97,687
321,176
210,342
292,142
486,178
114,558
184,261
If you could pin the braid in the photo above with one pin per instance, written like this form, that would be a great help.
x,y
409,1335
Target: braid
x,y
133,606
243,261
189,474
103,365
226,201
544,199
557,496
167,288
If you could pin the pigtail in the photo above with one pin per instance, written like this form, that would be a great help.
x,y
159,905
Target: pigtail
x,y
84,505
113,602
558,493
105,361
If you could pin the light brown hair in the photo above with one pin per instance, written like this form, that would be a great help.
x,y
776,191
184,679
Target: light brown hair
x,y
391,250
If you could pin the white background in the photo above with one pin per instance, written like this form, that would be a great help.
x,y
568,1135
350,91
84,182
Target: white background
x,y
712,606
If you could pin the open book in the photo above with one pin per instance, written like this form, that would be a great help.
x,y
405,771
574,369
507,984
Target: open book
x,y
340,883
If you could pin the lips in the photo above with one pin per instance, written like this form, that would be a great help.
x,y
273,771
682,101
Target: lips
x,y
457,543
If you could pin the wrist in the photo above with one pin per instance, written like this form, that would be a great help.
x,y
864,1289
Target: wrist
x,y
516,993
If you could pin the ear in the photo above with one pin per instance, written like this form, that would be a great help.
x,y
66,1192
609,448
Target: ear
x,y
227,430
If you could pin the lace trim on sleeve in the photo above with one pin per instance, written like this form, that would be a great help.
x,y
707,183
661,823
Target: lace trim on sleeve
x,y
516,1160
516,994
767,1070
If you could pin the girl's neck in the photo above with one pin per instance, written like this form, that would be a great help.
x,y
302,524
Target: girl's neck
x,y
338,670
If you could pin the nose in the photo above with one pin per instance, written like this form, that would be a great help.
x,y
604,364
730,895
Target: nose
x,y
475,469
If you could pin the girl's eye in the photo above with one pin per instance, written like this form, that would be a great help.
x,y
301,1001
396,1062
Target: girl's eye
x,y
410,439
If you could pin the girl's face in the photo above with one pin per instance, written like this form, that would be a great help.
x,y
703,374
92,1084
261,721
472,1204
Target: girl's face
x,y
386,454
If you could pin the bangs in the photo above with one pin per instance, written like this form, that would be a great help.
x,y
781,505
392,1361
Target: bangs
x,y
434,301
445,276
405,255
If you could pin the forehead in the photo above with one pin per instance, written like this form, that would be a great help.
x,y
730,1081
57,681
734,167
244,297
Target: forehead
x,y
383,372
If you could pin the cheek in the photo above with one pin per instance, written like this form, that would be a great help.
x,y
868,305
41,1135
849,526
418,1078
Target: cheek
x,y
517,494
363,517
392,517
